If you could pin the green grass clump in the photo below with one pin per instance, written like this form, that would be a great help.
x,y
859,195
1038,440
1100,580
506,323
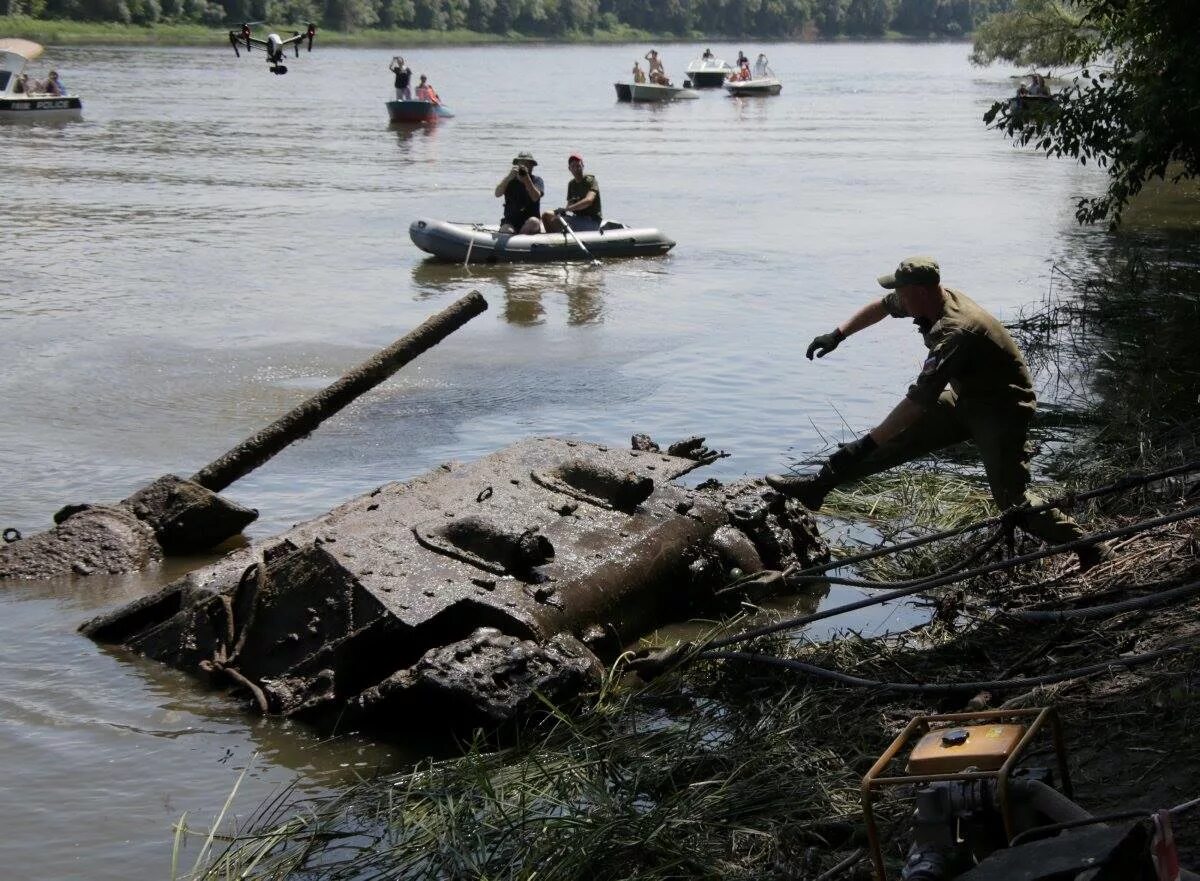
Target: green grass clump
x,y
647,785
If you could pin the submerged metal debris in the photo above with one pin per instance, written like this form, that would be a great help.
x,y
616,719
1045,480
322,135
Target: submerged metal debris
x,y
469,591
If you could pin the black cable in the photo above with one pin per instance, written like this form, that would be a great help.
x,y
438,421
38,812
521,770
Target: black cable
x,y
944,687
879,599
1065,501
871,583
1100,818
1108,609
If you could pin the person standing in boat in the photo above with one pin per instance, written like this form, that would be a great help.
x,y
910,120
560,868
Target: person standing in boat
x,y
655,63
639,75
582,211
403,78
522,191
425,92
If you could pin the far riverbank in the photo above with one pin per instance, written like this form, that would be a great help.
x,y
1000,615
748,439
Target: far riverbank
x,y
56,32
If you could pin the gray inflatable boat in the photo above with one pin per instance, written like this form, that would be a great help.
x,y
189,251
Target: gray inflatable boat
x,y
477,243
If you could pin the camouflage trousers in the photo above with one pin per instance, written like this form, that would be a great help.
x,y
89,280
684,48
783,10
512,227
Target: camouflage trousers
x,y
1000,434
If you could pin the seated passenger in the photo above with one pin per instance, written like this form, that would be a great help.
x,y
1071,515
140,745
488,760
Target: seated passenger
x,y
659,78
1038,88
22,85
708,55
639,75
522,191
744,70
54,86
582,211
425,92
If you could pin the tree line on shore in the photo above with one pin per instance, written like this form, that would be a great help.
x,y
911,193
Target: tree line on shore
x,y
778,19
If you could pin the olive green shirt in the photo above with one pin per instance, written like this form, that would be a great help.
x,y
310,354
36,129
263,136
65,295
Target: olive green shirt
x,y
577,189
970,350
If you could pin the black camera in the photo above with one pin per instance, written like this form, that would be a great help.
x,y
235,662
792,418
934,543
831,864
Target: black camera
x,y
522,170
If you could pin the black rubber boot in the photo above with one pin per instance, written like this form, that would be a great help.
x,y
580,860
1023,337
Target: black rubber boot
x,y
1091,556
808,489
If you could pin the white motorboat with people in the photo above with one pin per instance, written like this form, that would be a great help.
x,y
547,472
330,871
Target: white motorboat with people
x,y
708,71
653,85
761,81
652,92
24,99
481,243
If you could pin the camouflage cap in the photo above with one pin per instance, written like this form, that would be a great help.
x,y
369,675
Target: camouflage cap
x,y
913,270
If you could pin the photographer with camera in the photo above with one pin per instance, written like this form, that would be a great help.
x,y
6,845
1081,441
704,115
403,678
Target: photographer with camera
x,y
403,78
522,191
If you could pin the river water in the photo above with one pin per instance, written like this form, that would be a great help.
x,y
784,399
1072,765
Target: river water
x,y
213,243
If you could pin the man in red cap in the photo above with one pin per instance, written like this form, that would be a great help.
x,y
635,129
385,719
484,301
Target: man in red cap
x,y
582,211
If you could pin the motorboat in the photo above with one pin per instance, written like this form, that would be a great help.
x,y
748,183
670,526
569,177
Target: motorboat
x,y
479,243
708,72
656,92
15,55
416,111
762,82
765,85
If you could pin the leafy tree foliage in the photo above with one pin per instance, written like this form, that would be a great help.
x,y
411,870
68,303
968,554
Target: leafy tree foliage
x,y
776,19
1134,109
1038,33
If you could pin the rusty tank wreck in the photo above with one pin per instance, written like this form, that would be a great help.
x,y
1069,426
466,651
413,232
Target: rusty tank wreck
x,y
472,592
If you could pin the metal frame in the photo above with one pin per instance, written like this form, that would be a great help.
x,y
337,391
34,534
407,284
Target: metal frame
x,y
919,725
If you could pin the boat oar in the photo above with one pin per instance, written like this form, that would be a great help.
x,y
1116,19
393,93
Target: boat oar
x,y
583,247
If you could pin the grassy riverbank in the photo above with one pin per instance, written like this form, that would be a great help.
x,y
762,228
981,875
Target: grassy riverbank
x,y
89,33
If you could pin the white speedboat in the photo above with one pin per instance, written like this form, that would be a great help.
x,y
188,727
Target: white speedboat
x,y
765,85
15,55
708,73
655,92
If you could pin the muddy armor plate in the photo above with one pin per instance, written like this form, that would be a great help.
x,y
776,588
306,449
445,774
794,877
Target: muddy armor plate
x,y
561,551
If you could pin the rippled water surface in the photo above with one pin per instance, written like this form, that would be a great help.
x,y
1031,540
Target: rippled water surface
x,y
212,243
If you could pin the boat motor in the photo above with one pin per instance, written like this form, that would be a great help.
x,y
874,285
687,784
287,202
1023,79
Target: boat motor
x,y
981,814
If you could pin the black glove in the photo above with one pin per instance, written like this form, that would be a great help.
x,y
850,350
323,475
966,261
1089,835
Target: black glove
x,y
848,455
825,343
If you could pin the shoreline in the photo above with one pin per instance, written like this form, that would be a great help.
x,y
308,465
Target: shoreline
x,y
63,32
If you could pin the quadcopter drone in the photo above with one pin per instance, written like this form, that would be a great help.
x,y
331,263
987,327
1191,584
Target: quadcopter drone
x,y
272,45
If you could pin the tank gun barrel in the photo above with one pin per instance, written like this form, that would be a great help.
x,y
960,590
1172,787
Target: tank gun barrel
x,y
303,418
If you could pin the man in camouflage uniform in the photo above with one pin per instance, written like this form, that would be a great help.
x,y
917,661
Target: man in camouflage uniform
x,y
990,401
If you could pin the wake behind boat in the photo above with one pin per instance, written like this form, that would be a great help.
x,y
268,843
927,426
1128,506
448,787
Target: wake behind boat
x,y
478,243
416,111
29,105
